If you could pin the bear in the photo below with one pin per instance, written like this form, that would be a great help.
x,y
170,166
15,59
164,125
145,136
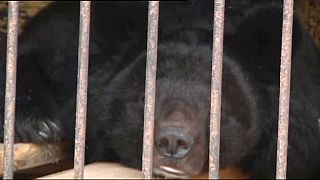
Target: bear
x,y
257,46
47,74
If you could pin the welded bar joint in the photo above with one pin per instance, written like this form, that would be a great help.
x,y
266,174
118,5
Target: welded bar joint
x,y
284,95
215,109
82,86
10,95
150,84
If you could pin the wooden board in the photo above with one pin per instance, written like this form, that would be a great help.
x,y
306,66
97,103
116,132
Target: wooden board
x,y
31,155
102,170
28,156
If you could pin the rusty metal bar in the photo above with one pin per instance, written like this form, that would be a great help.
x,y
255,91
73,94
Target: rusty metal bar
x,y
10,97
149,108
82,86
215,109
284,96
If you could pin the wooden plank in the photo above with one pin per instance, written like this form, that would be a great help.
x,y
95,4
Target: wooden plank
x,y
29,156
103,170
32,155
100,170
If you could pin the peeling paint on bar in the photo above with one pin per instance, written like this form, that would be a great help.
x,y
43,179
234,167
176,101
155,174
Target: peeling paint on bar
x,y
151,67
284,96
82,86
10,97
215,110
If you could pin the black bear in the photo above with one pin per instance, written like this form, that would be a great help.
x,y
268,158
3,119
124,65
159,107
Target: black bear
x,y
46,84
256,45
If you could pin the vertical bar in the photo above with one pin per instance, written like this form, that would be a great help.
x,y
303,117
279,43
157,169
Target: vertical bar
x,y
284,96
81,106
215,109
151,68
10,97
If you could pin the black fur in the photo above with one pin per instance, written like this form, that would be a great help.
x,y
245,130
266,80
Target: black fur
x,y
257,45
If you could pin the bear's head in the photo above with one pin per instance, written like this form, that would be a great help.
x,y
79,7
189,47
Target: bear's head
x,y
182,111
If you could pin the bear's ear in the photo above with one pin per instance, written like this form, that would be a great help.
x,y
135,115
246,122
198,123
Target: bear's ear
x,y
257,40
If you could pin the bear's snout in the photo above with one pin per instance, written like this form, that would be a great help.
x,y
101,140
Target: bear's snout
x,y
174,142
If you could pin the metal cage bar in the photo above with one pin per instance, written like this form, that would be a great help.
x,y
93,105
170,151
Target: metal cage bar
x,y
82,86
284,96
149,108
10,95
215,109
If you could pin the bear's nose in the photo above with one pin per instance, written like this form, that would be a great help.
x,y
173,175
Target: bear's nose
x,y
173,142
